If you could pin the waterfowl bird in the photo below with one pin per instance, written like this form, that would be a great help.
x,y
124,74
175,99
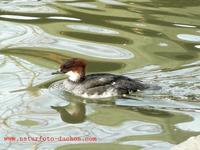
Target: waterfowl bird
x,y
99,85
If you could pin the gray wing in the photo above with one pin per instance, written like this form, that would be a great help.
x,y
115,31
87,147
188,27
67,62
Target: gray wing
x,y
126,85
122,83
95,80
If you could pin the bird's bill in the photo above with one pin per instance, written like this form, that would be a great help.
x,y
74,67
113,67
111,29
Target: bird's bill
x,y
57,72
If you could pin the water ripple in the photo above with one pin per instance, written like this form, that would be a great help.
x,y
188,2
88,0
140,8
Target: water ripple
x,y
27,6
184,25
83,5
51,123
192,125
43,122
104,133
197,46
189,37
180,85
112,2
33,36
93,29
63,18
19,17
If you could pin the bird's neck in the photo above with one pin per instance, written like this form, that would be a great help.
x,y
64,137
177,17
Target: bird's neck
x,y
76,75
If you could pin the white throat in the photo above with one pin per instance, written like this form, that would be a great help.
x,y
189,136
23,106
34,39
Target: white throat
x,y
73,76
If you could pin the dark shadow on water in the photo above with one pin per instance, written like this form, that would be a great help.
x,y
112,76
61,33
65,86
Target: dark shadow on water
x,y
177,56
170,3
59,57
97,38
154,112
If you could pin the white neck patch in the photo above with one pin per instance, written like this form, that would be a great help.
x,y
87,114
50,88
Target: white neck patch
x,y
73,76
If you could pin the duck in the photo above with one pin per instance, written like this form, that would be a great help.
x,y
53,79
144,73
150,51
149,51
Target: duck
x,y
97,85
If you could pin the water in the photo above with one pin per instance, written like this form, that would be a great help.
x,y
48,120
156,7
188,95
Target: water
x,y
152,40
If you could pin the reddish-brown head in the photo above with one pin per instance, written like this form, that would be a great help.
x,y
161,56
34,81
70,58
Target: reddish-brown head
x,y
74,68
74,64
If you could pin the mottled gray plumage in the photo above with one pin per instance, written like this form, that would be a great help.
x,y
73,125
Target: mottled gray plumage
x,y
103,85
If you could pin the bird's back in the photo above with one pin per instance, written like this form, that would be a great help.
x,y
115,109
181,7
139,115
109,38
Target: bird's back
x,y
104,83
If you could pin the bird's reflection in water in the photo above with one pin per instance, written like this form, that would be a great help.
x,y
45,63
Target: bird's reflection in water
x,y
74,112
